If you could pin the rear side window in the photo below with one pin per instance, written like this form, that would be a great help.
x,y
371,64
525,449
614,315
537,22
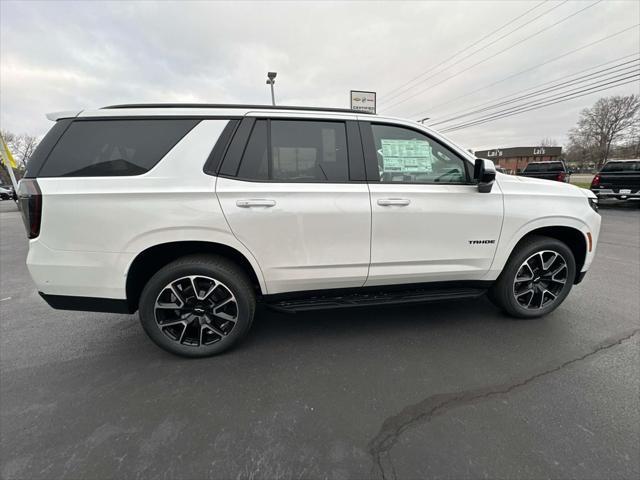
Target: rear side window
x,y
300,151
104,148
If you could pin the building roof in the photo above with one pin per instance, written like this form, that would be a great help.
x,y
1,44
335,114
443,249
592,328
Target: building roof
x,y
520,152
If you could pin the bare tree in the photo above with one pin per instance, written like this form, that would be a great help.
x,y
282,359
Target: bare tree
x,y
602,126
22,147
548,142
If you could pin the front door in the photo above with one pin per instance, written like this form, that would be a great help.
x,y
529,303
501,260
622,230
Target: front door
x,y
297,199
429,222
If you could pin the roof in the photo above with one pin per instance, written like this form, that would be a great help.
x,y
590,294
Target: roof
x,y
230,105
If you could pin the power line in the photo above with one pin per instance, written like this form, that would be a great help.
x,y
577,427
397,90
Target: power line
x,y
498,53
538,101
518,108
546,103
560,86
391,95
544,83
570,52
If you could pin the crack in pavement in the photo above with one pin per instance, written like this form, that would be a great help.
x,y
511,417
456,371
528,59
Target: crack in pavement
x,y
381,445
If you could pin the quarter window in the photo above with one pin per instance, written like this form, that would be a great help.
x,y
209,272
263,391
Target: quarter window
x,y
407,156
301,151
104,148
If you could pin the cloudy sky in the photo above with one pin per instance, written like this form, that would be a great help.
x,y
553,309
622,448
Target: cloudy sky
x,y
87,54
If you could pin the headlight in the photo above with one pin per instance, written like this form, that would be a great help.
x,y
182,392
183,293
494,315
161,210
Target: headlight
x,y
593,203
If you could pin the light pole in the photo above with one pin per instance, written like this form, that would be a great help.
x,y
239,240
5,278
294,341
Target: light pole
x,y
270,81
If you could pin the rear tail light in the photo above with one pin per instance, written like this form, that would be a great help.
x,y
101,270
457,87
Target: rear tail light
x,y
30,203
561,176
596,181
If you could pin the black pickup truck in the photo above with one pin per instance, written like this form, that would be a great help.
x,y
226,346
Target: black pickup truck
x,y
547,170
618,179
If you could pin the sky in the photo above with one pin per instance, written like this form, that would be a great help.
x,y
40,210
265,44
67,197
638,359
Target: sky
x,y
87,54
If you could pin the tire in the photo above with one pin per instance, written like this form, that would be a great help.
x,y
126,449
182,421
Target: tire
x,y
214,306
507,292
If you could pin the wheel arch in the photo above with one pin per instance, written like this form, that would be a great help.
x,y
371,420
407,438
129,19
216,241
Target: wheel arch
x,y
152,259
573,237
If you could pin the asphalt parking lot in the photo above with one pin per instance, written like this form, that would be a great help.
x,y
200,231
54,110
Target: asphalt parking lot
x,y
451,390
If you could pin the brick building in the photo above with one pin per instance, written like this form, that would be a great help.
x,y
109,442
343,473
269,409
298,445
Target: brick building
x,y
516,158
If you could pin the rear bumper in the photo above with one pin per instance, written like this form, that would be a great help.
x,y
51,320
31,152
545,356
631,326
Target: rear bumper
x,y
77,274
611,193
87,304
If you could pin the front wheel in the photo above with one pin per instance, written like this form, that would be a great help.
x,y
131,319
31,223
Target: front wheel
x,y
197,306
536,279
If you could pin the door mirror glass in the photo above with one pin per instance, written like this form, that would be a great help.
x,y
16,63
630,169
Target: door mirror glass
x,y
484,172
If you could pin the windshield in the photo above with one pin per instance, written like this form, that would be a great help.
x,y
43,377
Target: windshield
x,y
622,167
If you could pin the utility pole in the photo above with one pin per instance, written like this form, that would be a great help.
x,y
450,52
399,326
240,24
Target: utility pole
x,y
270,81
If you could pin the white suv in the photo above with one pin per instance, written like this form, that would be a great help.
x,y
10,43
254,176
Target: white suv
x,y
192,214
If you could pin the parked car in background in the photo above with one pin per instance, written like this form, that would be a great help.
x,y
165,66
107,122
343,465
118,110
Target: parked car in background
x,y
193,214
618,179
6,192
550,170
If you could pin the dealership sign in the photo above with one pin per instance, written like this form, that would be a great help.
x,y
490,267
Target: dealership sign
x,y
363,101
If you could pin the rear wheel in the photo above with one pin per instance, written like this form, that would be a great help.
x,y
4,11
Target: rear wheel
x,y
536,279
197,306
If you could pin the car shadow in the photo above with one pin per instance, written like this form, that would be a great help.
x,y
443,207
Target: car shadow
x,y
270,325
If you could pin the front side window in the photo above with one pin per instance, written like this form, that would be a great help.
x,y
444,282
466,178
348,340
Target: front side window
x,y
407,156
301,151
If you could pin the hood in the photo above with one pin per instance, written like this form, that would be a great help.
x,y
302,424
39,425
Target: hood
x,y
543,186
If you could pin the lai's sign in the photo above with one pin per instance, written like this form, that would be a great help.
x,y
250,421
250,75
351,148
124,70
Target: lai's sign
x,y
363,101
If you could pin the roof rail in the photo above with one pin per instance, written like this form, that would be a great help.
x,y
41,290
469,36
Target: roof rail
x,y
230,105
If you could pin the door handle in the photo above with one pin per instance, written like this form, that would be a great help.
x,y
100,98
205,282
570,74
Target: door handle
x,y
258,202
400,202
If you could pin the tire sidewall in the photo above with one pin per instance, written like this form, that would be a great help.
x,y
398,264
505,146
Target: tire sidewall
x,y
237,283
513,266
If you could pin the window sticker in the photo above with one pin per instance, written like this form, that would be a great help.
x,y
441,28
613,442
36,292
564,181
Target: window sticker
x,y
406,156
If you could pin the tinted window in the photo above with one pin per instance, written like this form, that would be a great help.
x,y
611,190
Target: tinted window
x,y
407,156
621,167
301,151
544,167
254,163
44,147
91,148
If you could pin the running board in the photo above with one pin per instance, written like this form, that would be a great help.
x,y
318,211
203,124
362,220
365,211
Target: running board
x,y
372,298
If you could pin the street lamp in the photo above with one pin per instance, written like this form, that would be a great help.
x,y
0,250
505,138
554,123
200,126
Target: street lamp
x,y
270,81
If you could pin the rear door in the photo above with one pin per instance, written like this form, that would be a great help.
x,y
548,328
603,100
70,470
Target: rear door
x,y
294,193
429,222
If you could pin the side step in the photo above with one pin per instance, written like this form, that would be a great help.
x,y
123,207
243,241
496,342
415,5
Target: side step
x,y
372,298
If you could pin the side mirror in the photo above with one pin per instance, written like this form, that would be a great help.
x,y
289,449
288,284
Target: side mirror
x,y
484,171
